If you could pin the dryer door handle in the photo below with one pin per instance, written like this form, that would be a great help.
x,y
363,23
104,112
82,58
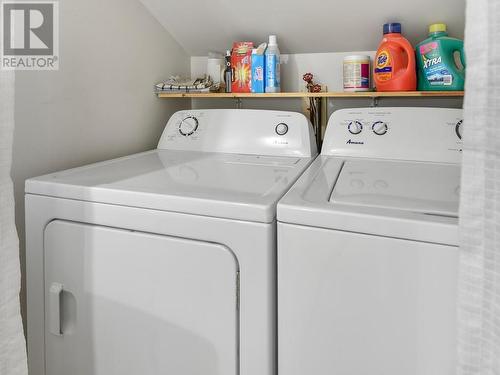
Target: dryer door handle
x,y
55,309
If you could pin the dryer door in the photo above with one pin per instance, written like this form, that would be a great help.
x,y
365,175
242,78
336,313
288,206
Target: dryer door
x,y
125,302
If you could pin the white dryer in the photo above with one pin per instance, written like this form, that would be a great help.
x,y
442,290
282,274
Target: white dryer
x,y
367,247
164,262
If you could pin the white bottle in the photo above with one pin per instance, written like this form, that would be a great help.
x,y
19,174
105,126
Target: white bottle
x,y
272,65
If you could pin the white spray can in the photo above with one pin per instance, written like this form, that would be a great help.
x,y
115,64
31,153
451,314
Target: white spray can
x,y
272,65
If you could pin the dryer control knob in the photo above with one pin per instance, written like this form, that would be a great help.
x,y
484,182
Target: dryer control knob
x,y
379,128
188,126
281,128
355,127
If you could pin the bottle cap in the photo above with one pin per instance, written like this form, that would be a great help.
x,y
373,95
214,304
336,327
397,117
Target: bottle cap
x,y
394,27
437,28
272,40
261,48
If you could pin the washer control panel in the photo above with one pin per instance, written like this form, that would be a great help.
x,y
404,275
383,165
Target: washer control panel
x,y
240,131
421,134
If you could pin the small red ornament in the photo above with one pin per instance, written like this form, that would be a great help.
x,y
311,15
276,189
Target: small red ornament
x,y
316,88
308,77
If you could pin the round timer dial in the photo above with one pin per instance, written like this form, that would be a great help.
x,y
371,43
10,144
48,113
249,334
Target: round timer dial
x,y
188,126
379,127
355,127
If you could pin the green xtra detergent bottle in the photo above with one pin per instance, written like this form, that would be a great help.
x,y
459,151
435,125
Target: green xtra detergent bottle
x,y
440,61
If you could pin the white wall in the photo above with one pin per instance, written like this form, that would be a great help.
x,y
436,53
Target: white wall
x,y
100,104
302,26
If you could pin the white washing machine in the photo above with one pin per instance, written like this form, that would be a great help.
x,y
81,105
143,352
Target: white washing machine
x,y
164,262
367,247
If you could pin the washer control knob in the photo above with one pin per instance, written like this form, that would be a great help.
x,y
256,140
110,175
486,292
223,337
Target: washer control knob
x,y
458,129
188,126
379,128
355,127
281,128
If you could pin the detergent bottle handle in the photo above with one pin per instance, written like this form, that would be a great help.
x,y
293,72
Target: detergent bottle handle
x,y
458,46
411,55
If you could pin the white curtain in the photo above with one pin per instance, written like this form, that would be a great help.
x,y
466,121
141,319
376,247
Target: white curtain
x,y
479,280
12,342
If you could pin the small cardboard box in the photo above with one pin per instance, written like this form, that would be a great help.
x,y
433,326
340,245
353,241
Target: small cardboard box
x,y
258,73
241,64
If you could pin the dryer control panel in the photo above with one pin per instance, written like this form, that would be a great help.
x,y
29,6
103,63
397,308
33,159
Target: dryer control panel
x,y
258,132
420,134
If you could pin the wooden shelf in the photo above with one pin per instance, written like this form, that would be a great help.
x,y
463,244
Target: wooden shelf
x,y
365,94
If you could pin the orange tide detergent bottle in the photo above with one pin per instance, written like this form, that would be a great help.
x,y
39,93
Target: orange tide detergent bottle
x,y
394,67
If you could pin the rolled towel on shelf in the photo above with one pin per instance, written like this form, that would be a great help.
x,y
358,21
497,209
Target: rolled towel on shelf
x,y
176,84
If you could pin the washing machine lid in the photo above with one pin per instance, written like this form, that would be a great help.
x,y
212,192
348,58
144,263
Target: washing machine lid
x,y
235,186
426,188
401,199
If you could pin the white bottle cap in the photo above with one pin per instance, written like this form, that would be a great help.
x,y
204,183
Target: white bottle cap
x,y
272,40
357,58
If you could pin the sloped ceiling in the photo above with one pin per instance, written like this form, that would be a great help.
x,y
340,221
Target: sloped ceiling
x,y
302,26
